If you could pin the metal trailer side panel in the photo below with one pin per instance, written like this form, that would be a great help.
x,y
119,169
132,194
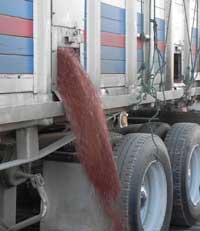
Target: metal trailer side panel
x,y
26,49
108,38
112,50
16,46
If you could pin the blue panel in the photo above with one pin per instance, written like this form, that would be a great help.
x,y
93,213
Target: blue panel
x,y
194,41
113,67
16,45
85,39
139,55
139,22
139,29
14,64
161,24
17,8
194,32
161,35
140,17
113,12
113,53
112,26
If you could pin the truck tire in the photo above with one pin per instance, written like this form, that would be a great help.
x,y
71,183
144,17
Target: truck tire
x,y
183,143
146,181
160,129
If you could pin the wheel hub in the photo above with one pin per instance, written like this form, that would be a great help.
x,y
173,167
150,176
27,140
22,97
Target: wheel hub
x,y
143,197
193,173
153,197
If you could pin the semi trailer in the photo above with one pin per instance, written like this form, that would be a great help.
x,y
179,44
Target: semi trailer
x,y
142,56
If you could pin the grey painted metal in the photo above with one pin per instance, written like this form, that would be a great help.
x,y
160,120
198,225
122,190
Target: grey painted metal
x,y
26,223
198,25
16,126
46,139
41,154
131,99
131,44
110,80
22,113
10,84
61,34
93,41
32,112
193,179
187,55
149,34
153,197
110,102
45,62
42,46
169,46
23,99
8,205
75,16
27,142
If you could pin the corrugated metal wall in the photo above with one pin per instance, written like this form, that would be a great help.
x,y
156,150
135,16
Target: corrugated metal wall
x,y
16,36
113,30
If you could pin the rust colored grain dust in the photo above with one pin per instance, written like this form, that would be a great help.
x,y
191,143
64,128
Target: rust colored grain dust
x,y
88,122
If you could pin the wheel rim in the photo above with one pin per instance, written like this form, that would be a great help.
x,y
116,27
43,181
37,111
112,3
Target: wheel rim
x,y
193,175
153,203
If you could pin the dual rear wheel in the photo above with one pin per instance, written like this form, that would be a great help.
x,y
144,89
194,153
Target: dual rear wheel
x,y
183,144
151,178
146,180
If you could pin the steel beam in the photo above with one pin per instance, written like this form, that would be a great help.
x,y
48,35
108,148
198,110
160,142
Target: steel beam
x,y
31,157
169,46
27,143
131,43
93,41
8,205
23,113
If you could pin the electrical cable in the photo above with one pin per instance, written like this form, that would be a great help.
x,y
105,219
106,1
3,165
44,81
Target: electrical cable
x,y
147,86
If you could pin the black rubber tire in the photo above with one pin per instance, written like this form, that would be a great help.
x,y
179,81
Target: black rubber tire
x,y
115,137
179,141
160,129
134,153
